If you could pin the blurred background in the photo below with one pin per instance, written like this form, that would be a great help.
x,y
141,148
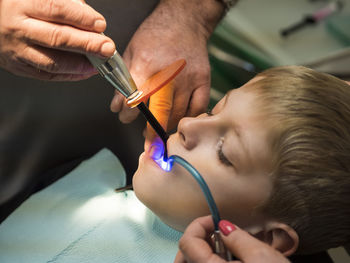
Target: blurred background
x,y
249,39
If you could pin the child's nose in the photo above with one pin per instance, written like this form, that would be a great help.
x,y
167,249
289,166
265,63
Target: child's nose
x,y
191,131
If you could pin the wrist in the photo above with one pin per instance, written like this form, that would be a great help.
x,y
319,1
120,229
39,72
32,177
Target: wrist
x,y
202,15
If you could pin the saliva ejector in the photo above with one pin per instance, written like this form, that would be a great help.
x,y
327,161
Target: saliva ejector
x,y
167,165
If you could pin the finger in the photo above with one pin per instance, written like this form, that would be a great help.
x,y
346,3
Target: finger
x,y
67,38
179,258
127,114
26,70
240,243
193,244
117,102
74,13
180,105
160,105
57,61
197,250
199,101
201,227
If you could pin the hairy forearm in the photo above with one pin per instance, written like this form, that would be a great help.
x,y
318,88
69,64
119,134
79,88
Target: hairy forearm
x,y
202,15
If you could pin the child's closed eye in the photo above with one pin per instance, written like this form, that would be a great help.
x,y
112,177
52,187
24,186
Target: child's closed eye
x,y
223,159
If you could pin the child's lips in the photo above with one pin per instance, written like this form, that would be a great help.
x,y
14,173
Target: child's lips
x,y
156,150
151,161
155,155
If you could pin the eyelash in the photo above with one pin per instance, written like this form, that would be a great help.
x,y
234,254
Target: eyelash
x,y
221,155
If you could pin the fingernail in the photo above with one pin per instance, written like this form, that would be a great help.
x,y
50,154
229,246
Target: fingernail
x,y
100,25
107,49
226,227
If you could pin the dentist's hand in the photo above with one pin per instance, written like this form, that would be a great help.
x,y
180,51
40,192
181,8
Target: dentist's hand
x,y
45,39
177,29
194,248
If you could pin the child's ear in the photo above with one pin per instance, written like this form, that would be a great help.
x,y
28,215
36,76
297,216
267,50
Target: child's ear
x,y
279,236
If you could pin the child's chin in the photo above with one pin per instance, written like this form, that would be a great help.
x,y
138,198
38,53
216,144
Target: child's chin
x,y
142,156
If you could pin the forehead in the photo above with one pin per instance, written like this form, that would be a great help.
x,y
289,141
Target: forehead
x,y
243,103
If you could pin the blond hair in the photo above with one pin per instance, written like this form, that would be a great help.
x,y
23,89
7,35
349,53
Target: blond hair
x,y
311,175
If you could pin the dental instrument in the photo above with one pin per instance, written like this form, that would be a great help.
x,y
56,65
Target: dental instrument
x,y
114,70
333,7
167,165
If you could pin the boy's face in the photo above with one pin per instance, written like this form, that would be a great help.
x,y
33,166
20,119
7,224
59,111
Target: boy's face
x,y
230,149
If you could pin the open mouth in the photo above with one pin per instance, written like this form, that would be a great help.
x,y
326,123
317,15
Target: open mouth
x,y
157,155
166,165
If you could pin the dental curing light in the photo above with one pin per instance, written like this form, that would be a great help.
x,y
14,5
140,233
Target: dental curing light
x,y
114,70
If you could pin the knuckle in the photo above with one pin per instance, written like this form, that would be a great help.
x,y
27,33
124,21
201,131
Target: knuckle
x,y
10,27
86,15
54,8
57,38
26,52
48,64
80,18
90,46
203,73
8,31
145,58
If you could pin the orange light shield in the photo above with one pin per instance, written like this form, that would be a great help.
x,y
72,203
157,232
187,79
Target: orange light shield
x,y
158,81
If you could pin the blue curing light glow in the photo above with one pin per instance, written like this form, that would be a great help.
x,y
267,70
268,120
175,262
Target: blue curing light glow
x,y
165,165
158,157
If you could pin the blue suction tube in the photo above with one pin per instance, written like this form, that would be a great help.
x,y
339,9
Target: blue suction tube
x,y
203,185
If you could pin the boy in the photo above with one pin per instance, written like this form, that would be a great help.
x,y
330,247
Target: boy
x,y
275,154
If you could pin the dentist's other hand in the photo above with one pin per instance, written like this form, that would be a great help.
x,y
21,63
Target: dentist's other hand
x,y
45,39
177,29
194,248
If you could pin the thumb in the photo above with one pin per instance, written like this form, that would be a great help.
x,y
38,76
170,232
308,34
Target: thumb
x,y
160,105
